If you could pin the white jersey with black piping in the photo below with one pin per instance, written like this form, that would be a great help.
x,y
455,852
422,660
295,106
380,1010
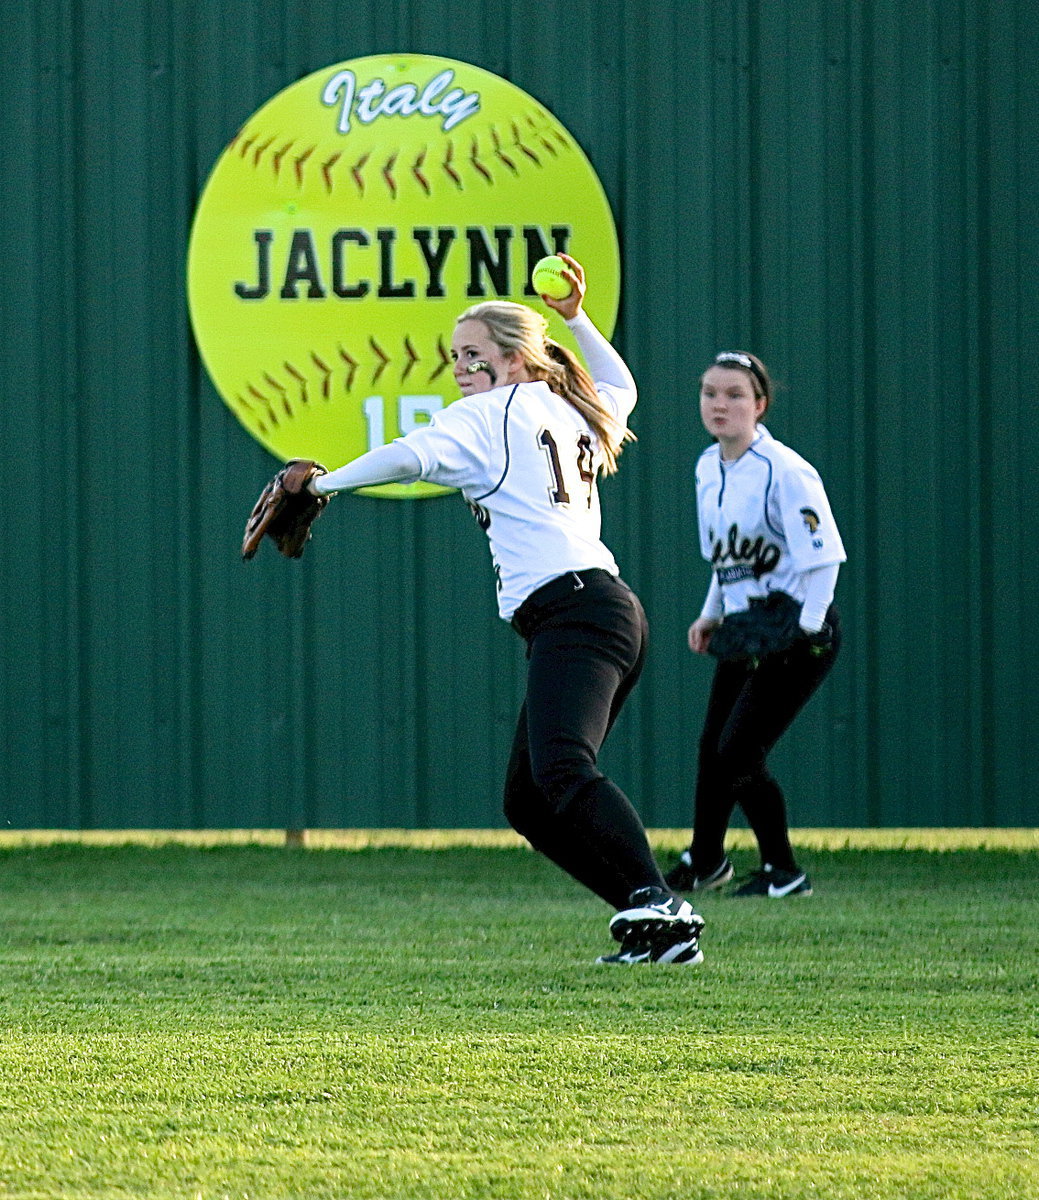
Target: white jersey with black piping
x,y
765,521
526,462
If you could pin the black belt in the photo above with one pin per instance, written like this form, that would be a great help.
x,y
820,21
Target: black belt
x,y
530,611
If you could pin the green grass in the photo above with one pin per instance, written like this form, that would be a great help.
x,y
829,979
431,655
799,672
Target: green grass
x,y
395,1017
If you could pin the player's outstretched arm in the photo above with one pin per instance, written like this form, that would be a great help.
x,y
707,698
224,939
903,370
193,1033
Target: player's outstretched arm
x,y
395,463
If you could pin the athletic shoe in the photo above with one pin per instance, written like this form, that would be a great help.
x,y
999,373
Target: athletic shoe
x,y
770,881
683,878
679,952
653,915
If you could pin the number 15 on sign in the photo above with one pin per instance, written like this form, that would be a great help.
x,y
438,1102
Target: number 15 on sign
x,y
412,413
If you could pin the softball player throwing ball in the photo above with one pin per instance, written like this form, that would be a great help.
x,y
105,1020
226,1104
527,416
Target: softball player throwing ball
x,y
767,530
524,445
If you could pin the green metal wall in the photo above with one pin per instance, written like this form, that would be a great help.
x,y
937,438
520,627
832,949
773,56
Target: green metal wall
x,y
848,188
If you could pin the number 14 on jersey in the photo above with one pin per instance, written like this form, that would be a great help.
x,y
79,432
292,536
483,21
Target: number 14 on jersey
x,y
562,465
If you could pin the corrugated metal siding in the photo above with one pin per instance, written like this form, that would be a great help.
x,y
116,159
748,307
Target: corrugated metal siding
x,y
847,188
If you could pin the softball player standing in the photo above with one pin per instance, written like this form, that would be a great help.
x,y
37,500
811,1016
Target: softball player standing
x,y
767,530
525,445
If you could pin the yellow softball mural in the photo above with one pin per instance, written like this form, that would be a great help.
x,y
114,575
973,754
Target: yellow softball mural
x,y
349,222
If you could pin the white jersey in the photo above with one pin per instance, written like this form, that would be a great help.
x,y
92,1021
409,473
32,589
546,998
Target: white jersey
x,y
526,462
764,521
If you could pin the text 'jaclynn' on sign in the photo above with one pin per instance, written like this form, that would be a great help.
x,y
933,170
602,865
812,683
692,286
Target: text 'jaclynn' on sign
x,y
490,269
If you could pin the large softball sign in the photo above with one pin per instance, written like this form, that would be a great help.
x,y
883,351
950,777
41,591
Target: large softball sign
x,y
351,220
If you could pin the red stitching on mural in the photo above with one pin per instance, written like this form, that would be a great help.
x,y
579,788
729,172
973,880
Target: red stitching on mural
x,y
380,354
266,403
533,135
416,170
475,160
518,143
326,169
412,358
356,170
449,165
302,385
351,364
278,155
326,374
300,160
259,151
387,174
500,153
445,359
281,392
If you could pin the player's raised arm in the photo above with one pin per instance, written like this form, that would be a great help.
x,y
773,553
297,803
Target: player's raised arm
x,y
605,365
613,382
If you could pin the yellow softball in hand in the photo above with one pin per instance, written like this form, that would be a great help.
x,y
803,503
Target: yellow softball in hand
x,y
547,277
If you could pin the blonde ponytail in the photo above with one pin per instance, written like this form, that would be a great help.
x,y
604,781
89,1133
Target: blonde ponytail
x,y
572,381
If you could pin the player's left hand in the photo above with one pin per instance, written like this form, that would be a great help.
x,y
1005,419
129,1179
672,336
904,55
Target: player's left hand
x,y
285,510
570,306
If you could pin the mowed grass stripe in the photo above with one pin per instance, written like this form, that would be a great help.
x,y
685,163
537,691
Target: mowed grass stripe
x,y
243,1020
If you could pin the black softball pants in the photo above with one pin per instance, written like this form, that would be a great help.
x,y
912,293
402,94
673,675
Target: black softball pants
x,y
586,644
748,711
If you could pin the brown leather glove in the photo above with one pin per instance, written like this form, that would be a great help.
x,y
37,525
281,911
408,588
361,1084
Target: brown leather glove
x,y
285,510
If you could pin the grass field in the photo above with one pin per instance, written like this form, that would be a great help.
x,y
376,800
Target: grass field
x,y
388,1017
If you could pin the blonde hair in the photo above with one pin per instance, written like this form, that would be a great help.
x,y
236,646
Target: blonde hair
x,y
515,327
